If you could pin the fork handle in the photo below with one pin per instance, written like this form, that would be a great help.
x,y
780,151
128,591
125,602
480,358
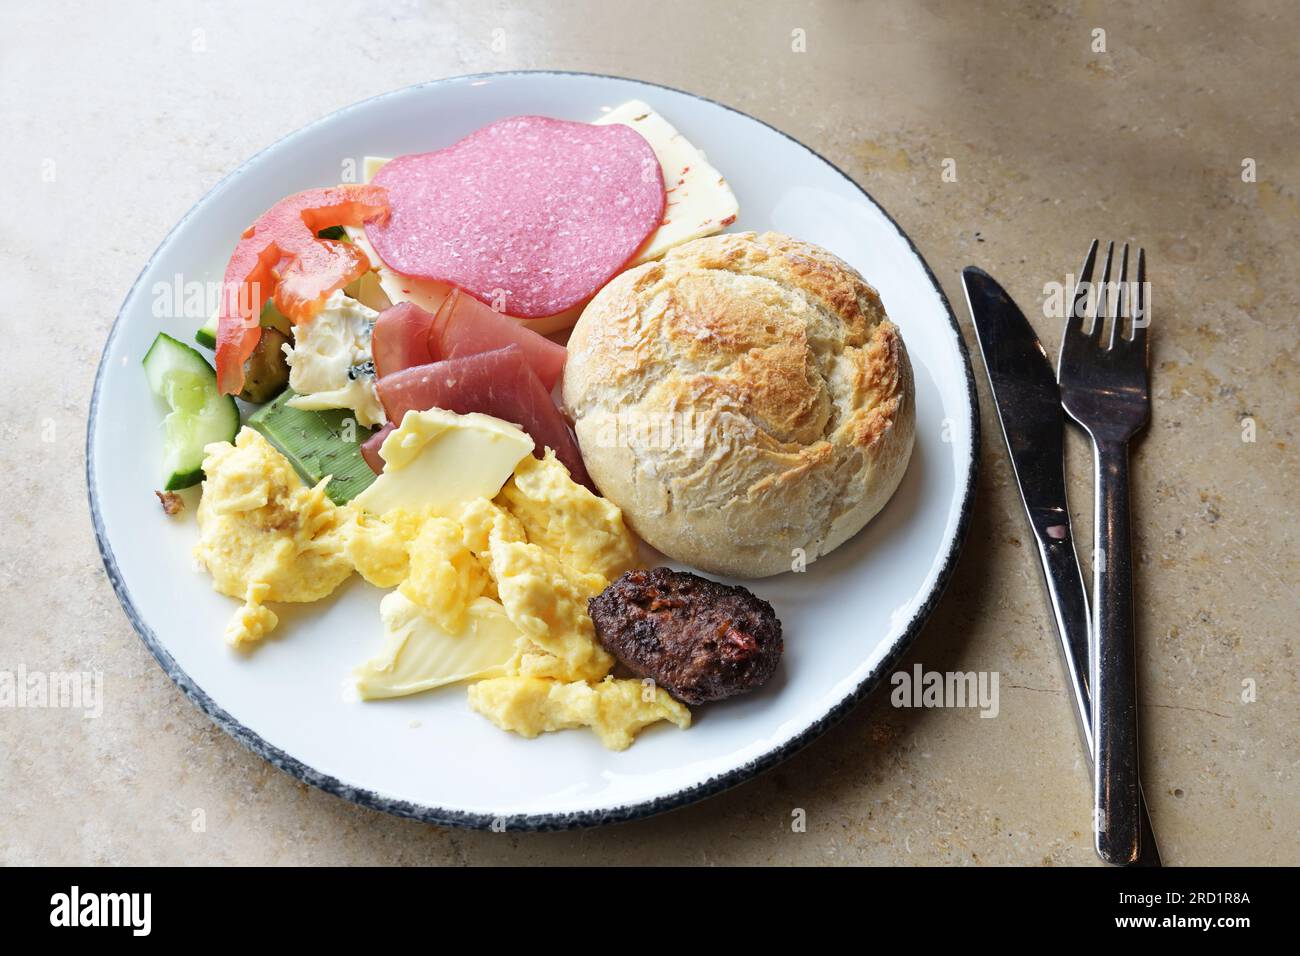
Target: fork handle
x,y
1116,792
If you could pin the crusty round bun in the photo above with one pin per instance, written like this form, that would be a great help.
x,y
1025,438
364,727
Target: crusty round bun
x,y
742,399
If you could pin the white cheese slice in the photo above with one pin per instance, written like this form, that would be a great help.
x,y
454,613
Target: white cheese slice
x,y
699,201
425,293
438,460
371,165
419,655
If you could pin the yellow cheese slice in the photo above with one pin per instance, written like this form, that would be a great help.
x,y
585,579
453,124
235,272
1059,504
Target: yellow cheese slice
x,y
699,201
438,460
418,655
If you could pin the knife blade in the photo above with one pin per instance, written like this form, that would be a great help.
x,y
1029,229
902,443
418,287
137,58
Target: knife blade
x,y
1028,402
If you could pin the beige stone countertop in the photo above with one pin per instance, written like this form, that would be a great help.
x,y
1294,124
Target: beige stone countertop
x,y
118,117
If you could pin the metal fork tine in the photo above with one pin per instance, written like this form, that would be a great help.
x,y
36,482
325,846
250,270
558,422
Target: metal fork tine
x,y
1122,300
1140,318
1103,304
1074,321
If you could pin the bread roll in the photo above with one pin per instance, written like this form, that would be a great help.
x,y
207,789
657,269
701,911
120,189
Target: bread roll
x,y
745,401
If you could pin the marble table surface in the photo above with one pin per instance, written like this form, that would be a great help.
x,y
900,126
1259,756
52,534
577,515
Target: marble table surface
x,y
1176,125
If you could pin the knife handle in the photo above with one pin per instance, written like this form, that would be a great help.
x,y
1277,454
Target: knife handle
x,y
1116,792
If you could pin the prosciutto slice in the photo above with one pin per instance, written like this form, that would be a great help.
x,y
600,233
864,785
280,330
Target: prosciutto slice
x,y
465,326
499,383
406,335
401,339
370,448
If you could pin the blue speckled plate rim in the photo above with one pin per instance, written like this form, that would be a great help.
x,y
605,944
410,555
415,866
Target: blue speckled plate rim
x,y
541,821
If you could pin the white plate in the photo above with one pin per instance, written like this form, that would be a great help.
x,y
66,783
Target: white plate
x,y
846,620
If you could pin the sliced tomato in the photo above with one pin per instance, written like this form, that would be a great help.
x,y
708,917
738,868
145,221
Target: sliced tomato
x,y
281,256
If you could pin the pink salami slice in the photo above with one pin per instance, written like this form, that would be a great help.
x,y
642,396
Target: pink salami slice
x,y
530,214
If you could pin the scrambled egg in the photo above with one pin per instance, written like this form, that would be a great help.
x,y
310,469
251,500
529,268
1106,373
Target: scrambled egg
x,y
585,531
376,546
264,535
614,709
444,576
491,588
532,556
547,600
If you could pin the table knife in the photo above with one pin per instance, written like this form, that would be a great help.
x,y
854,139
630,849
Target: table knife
x,y
1028,403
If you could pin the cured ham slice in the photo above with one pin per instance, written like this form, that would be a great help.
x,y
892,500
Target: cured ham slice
x,y
401,339
407,335
529,214
465,326
499,383
370,448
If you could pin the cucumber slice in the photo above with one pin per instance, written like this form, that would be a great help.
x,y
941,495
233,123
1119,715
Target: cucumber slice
x,y
199,415
270,319
207,336
317,443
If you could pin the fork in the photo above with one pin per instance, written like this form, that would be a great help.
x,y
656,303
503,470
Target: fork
x,y
1105,388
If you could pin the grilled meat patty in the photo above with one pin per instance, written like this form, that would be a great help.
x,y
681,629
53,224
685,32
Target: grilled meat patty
x,y
698,639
